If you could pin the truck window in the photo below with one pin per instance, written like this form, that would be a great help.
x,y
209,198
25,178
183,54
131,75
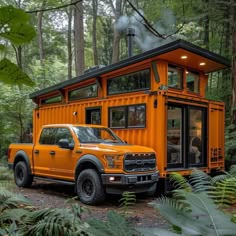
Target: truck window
x,y
63,133
48,136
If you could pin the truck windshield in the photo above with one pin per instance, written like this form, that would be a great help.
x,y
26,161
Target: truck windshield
x,y
96,135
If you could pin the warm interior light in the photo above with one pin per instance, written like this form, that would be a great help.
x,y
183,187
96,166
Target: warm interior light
x,y
187,72
184,57
202,64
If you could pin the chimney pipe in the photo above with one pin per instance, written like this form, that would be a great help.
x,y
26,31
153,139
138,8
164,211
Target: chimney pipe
x,y
130,34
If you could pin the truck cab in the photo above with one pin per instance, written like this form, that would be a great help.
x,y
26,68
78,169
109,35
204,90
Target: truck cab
x,y
91,156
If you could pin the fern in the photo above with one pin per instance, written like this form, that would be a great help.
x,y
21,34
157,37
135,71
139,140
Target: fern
x,y
11,200
202,219
180,182
5,174
127,200
116,225
225,192
200,181
52,222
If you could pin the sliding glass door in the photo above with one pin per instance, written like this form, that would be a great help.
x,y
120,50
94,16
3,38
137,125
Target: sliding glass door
x,y
186,136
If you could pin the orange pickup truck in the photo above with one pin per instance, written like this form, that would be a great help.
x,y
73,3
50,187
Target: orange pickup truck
x,y
92,157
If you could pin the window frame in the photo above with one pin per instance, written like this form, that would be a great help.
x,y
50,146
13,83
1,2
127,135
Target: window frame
x,y
199,77
43,101
182,76
127,74
80,88
126,116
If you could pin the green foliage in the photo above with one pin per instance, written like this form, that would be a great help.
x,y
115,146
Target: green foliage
x,y
11,200
201,217
53,221
116,225
12,74
127,200
179,181
14,25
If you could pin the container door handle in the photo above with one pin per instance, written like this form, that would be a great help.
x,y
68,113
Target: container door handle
x,y
36,151
52,152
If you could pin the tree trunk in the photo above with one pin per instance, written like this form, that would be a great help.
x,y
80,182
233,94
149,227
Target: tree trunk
x,y
40,33
233,99
69,45
79,38
206,26
95,51
116,38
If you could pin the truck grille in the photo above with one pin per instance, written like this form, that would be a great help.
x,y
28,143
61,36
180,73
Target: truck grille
x,y
140,162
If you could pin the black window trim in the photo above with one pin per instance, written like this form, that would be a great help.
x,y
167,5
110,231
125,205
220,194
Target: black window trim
x,y
43,100
75,99
182,77
131,91
126,108
194,72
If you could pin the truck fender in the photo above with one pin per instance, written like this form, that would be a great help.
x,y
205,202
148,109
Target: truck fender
x,y
89,159
22,156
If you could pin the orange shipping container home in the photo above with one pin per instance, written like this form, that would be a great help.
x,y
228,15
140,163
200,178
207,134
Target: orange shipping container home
x,y
156,99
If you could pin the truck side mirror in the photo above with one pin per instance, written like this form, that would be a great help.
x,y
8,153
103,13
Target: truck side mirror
x,y
64,143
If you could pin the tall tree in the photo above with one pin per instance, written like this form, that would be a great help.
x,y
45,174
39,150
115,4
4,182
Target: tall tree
x,y
95,50
40,32
233,100
69,42
117,11
79,38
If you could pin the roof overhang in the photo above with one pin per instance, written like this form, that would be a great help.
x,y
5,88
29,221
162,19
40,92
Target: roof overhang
x,y
171,52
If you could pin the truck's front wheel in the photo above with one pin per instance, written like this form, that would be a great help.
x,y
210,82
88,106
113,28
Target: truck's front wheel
x,y
89,187
22,176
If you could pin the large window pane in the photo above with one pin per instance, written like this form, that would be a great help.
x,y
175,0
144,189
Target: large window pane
x,y
117,117
85,92
174,135
130,82
195,136
193,80
175,77
133,116
136,116
51,100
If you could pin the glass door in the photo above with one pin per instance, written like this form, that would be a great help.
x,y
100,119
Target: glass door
x,y
175,136
196,136
186,136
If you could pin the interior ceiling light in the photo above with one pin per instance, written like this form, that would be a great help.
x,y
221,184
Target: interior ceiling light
x,y
184,57
202,64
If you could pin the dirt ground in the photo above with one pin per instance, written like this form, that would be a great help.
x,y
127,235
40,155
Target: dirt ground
x,y
47,195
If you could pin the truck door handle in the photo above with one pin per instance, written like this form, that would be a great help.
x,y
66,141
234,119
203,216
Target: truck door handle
x,y
52,152
36,151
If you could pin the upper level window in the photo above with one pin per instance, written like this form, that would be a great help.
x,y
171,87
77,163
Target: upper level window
x,y
192,79
139,80
84,92
175,77
51,100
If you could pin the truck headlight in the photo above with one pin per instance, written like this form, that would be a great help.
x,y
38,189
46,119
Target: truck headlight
x,y
112,160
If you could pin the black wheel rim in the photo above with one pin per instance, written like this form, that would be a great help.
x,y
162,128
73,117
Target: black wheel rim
x,y
88,187
20,174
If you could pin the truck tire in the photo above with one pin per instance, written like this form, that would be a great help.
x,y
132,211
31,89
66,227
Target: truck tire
x,y
22,176
89,187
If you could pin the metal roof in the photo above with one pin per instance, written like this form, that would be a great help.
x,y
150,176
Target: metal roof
x,y
166,51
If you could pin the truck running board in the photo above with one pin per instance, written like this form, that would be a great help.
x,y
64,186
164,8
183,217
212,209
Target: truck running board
x,y
54,180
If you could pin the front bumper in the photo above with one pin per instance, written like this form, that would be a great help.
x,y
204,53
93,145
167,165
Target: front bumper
x,y
138,183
